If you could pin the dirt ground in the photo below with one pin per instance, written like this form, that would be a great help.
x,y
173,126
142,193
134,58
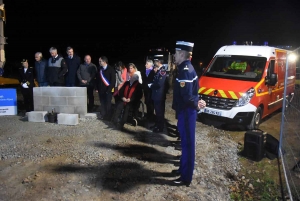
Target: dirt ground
x,y
94,161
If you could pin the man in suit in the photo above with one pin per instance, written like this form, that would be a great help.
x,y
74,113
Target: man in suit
x,y
73,62
106,80
148,77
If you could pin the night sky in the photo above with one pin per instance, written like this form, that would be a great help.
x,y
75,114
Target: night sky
x,y
125,30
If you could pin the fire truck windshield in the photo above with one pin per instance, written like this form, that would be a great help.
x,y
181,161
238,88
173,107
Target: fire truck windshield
x,y
246,68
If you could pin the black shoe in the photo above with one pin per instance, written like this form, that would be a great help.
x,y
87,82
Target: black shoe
x,y
176,172
157,130
179,182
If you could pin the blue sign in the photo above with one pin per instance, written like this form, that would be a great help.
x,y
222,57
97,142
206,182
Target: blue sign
x,y
8,102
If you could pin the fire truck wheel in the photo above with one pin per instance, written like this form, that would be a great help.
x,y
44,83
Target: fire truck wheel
x,y
255,120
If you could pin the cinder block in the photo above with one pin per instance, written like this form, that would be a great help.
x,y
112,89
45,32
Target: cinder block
x,y
58,101
90,116
66,91
38,107
80,91
41,100
37,116
81,110
66,109
68,100
49,91
37,91
67,119
80,101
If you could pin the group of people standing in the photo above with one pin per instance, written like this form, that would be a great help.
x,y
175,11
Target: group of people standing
x,y
105,79
128,86
153,85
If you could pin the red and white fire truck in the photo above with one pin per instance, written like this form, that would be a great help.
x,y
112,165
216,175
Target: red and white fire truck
x,y
245,83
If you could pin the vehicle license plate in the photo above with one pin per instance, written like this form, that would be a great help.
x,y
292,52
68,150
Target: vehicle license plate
x,y
213,112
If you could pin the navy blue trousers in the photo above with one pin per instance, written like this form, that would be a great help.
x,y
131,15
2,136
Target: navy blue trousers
x,y
186,127
159,107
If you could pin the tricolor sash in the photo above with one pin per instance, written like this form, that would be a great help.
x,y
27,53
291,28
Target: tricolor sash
x,y
103,78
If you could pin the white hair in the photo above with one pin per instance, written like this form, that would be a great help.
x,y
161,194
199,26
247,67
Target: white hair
x,y
39,54
53,49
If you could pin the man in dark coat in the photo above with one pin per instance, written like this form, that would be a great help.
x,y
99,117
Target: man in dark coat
x,y
86,75
40,66
105,82
56,69
148,77
73,62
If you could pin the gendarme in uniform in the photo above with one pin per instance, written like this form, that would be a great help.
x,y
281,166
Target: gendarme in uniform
x,y
159,89
185,103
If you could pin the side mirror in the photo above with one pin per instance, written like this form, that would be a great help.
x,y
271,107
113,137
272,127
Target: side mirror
x,y
272,80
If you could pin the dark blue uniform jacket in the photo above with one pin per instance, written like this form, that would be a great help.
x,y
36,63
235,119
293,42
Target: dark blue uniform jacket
x,y
186,87
159,86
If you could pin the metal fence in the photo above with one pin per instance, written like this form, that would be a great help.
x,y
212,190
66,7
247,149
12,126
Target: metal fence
x,y
290,135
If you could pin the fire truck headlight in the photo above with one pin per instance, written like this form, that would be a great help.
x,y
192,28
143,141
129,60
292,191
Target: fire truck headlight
x,y
292,57
245,99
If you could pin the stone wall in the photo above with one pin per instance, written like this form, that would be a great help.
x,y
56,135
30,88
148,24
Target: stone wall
x,y
70,100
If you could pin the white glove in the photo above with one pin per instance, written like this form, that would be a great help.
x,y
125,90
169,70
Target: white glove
x,y
24,85
149,85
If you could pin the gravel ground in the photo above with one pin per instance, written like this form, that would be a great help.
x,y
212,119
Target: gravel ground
x,y
94,161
